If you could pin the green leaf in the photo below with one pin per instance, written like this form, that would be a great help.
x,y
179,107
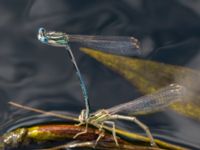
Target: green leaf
x,y
149,76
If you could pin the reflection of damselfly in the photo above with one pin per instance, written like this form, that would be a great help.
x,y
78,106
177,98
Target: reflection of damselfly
x,y
111,44
143,105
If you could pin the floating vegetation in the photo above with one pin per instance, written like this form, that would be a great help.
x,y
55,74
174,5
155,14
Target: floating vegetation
x,y
104,117
40,135
149,76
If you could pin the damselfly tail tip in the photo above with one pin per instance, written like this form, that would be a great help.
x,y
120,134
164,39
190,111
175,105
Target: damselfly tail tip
x,y
135,42
136,45
177,88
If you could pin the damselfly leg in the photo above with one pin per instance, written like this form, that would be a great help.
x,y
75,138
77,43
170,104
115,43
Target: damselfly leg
x,y
103,117
136,121
113,130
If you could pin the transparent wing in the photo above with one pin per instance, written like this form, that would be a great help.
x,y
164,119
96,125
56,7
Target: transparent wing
x,y
151,103
121,45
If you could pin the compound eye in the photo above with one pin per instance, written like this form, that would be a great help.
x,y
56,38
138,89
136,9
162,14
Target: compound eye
x,y
44,39
42,30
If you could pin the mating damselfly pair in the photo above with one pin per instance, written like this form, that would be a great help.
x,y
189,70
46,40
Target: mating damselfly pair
x,y
117,45
112,44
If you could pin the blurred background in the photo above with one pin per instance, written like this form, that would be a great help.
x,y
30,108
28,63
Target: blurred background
x,y
42,76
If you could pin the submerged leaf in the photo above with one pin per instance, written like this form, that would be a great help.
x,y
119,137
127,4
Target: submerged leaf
x,y
56,132
149,76
41,134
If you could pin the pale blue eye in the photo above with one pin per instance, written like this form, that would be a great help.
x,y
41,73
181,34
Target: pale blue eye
x,y
44,39
41,30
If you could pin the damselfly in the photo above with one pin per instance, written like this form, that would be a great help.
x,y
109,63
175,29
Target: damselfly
x,y
111,44
146,104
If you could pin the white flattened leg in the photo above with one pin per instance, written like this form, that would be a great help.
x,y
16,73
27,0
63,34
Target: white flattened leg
x,y
101,134
82,122
83,132
81,118
139,123
113,131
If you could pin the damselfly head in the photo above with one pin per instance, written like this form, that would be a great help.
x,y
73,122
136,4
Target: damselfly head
x,y
42,35
52,38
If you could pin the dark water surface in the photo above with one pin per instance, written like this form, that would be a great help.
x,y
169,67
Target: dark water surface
x,y
42,76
